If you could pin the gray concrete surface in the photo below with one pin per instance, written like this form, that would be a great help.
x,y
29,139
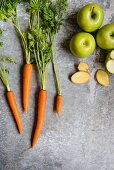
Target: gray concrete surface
x,y
83,137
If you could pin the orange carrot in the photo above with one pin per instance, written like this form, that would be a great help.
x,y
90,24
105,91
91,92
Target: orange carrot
x,y
41,114
27,78
59,102
15,112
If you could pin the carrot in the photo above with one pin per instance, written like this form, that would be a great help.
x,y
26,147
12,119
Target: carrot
x,y
41,114
4,72
15,112
27,78
59,97
59,102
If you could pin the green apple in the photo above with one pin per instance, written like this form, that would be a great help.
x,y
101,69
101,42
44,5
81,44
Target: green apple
x,y
109,62
105,37
90,17
82,45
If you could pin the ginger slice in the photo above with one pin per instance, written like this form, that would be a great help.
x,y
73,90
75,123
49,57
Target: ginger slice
x,y
83,66
80,77
102,78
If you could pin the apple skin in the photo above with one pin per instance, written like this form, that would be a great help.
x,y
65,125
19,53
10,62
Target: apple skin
x,y
90,17
82,45
105,37
109,62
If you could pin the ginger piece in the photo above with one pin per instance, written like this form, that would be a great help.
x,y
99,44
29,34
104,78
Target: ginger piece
x,y
83,66
80,77
102,78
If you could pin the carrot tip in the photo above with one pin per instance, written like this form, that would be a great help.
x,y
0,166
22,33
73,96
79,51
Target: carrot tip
x,y
20,131
58,114
33,144
25,110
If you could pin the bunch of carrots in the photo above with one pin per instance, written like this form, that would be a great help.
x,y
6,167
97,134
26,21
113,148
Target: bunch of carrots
x,y
39,45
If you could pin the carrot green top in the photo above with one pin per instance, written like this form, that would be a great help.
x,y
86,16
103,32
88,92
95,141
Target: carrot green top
x,y
1,43
9,12
8,9
3,70
46,18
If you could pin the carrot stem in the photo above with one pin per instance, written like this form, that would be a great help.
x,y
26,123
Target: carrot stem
x,y
41,114
54,63
27,78
15,112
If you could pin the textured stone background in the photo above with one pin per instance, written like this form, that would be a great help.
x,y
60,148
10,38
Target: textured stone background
x,y
83,138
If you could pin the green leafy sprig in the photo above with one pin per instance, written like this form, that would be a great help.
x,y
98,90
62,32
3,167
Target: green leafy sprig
x,y
46,18
4,72
54,18
8,12
1,43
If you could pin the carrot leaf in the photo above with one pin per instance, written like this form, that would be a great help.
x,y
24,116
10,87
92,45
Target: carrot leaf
x,y
4,72
46,18
8,59
4,76
1,43
8,9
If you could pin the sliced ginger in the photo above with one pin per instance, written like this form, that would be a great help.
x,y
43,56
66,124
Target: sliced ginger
x,y
102,78
80,77
83,66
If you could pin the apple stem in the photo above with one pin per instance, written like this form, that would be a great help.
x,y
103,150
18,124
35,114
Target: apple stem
x,y
92,11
